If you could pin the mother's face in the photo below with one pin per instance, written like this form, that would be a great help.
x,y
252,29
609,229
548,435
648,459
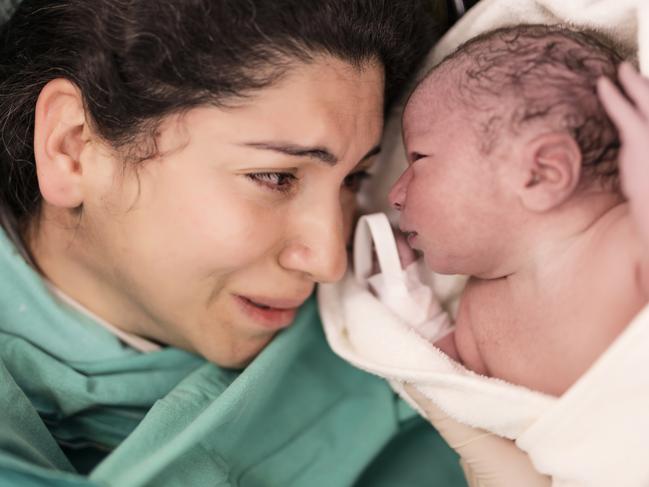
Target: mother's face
x,y
214,245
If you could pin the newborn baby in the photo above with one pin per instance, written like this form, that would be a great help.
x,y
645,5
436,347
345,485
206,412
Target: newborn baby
x,y
513,180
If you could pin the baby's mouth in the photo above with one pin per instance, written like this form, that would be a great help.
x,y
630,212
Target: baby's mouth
x,y
410,237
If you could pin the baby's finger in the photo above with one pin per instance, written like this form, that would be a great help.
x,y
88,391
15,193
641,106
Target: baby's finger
x,y
621,111
406,254
636,86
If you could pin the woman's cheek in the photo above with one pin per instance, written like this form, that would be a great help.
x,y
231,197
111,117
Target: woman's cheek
x,y
235,236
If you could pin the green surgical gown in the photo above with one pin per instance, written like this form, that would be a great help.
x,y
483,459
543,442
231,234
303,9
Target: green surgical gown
x,y
78,407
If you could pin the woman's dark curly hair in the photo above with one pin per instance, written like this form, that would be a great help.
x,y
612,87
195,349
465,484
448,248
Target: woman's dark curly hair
x,y
138,61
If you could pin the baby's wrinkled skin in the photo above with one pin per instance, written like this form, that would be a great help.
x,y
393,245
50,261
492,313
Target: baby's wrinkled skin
x,y
558,266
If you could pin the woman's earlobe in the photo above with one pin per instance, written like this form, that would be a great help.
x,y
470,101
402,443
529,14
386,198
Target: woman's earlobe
x,y
552,165
60,134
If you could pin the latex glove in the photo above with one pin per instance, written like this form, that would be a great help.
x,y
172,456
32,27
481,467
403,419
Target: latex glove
x,y
631,116
488,460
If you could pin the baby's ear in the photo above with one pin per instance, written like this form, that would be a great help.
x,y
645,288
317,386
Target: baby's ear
x,y
551,171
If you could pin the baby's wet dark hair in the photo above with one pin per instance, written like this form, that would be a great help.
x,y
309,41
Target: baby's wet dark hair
x,y
138,61
515,77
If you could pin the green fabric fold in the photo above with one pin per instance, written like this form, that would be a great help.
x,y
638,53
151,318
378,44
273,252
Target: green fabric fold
x,y
87,386
330,421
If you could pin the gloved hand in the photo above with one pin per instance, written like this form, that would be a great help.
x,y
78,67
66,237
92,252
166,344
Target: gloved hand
x,y
488,460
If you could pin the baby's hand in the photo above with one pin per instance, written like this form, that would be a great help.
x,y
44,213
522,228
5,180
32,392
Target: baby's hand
x,y
631,116
406,254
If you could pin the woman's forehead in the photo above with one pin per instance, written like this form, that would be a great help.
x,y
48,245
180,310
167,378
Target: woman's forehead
x,y
318,109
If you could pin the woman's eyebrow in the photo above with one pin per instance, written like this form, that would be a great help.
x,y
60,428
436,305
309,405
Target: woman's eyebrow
x,y
315,152
320,153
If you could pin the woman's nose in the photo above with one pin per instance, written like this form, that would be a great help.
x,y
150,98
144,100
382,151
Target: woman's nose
x,y
397,195
317,247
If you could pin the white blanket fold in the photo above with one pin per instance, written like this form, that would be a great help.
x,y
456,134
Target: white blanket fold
x,y
596,434
363,331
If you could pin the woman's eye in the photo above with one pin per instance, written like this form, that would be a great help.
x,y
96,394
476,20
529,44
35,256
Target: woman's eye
x,y
277,181
354,181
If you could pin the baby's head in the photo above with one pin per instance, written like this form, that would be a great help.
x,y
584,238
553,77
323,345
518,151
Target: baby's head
x,y
506,130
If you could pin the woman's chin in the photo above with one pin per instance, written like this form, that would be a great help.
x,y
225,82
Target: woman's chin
x,y
237,355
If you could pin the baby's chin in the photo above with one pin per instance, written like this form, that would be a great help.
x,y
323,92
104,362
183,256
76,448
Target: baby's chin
x,y
454,265
441,265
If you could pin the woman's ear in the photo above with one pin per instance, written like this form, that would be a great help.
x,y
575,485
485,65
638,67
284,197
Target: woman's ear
x,y
60,133
552,170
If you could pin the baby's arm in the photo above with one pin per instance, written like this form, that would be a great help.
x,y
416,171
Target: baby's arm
x,y
631,116
447,345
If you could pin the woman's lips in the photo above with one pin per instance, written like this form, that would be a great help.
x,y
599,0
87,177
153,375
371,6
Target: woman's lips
x,y
270,313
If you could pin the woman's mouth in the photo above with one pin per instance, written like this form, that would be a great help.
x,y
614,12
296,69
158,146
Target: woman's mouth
x,y
269,312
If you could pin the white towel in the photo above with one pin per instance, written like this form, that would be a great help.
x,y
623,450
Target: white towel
x,y
597,433
363,331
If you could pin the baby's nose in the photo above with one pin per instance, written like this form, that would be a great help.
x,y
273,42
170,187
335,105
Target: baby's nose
x,y
397,195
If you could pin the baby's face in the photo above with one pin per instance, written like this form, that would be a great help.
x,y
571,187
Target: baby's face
x,y
454,204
